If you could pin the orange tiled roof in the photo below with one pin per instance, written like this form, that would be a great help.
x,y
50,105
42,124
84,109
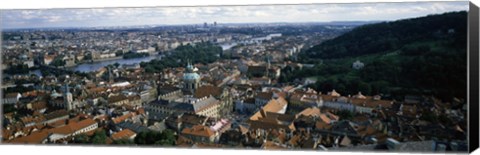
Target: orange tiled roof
x,y
264,95
269,145
34,138
30,119
58,123
30,93
73,126
322,125
122,118
126,133
141,111
198,130
117,98
82,124
274,106
327,97
66,130
313,111
207,90
39,105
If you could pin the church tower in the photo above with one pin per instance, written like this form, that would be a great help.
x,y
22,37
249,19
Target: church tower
x,y
191,80
68,98
110,75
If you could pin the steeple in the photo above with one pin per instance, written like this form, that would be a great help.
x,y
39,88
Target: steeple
x,y
189,67
110,75
67,88
68,97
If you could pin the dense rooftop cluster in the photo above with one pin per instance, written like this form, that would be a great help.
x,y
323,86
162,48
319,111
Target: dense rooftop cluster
x,y
235,101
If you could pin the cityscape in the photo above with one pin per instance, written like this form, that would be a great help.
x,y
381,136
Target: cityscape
x,y
340,85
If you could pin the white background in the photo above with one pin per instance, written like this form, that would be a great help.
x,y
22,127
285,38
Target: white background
x,y
85,150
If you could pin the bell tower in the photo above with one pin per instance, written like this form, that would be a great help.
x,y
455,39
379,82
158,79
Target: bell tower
x,y
68,97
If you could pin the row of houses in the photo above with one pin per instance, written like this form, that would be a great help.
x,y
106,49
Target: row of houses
x,y
59,133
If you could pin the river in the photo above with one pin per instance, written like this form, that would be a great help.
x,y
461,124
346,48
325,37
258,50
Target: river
x,y
89,67
226,46
94,66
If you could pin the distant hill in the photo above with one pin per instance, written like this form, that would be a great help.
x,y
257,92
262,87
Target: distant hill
x,y
388,36
425,55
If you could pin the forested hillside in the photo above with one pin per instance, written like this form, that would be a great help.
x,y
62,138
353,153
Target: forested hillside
x,y
425,55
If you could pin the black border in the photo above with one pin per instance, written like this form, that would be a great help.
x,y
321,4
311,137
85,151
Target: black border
x,y
473,75
473,50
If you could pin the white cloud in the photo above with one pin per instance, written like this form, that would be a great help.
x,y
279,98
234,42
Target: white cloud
x,y
225,14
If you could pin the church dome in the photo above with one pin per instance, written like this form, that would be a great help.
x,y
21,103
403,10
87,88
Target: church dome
x,y
190,73
55,94
191,76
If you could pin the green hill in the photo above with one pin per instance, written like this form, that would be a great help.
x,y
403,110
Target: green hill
x,y
425,55
388,36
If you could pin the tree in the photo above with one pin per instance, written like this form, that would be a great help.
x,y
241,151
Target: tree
x,y
7,108
345,114
81,138
166,137
119,53
364,88
123,142
17,69
428,116
57,62
204,52
88,57
116,64
99,137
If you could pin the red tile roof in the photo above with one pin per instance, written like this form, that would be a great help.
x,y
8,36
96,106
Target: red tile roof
x,y
310,112
207,90
124,134
198,130
123,118
264,95
274,106
34,138
73,127
82,124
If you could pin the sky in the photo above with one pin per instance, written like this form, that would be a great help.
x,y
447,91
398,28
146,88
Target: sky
x,y
95,17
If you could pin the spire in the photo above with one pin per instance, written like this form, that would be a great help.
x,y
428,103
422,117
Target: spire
x,y
189,66
110,76
67,89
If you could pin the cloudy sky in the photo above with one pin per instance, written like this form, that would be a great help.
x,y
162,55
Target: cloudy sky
x,y
12,19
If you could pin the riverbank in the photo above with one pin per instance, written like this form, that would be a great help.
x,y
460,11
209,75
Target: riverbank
x,y
106,59
94,66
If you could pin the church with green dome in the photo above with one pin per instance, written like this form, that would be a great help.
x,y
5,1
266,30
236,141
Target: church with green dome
x,y
191,79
